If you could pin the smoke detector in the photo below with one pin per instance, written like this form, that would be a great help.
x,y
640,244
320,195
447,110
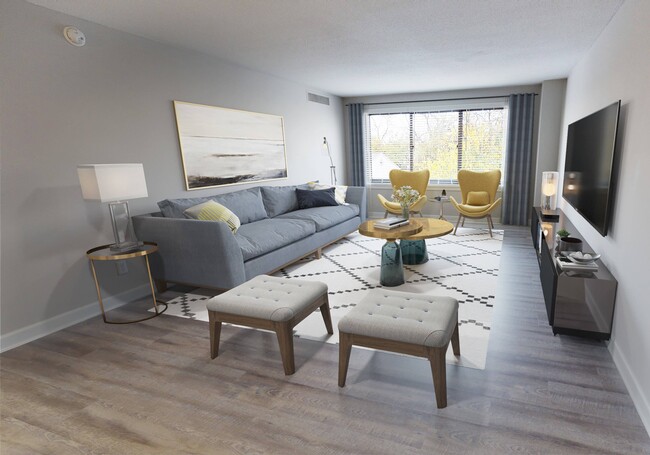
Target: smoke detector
x,y
74,36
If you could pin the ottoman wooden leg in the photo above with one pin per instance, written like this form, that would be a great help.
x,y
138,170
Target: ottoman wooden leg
x,y
285,340
345,346
215,334
455,341
439,372
327,317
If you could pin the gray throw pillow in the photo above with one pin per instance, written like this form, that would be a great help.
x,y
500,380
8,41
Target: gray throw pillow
x,y
280,199
247,205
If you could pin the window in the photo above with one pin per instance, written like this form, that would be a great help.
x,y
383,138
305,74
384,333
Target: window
x,y
440,140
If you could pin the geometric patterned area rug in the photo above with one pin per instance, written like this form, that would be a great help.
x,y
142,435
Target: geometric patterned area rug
x,y
464,266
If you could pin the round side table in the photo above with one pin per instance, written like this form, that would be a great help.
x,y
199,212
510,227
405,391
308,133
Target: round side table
x,y
392,270
104,253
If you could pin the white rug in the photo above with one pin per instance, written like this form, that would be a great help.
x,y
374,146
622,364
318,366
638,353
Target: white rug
x,y
465,266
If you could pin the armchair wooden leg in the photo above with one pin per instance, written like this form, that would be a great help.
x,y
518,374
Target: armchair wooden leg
x,y
489,222
462,224
386,214
457,223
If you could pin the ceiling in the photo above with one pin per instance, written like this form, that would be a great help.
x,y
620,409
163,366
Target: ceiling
x,y
370,47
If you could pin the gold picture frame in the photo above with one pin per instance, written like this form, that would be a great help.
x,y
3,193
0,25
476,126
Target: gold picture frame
x,y
221,146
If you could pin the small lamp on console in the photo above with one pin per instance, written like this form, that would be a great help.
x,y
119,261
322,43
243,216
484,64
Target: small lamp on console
x,y
115,183
549,194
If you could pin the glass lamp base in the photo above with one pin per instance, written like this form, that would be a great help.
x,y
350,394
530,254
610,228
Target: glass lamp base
x,y
392,271
125,247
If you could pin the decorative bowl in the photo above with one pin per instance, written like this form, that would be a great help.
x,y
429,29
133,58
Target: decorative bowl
x,y
579,258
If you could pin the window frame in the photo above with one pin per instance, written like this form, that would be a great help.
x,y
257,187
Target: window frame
x,y
457,105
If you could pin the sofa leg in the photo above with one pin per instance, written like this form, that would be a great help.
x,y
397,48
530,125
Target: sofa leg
x,y
318,254
161,285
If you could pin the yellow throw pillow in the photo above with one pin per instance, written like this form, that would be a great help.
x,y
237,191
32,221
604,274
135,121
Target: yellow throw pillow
x,y
478,198
213,211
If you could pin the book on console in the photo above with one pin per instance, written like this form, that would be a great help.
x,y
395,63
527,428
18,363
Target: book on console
x,y
566,265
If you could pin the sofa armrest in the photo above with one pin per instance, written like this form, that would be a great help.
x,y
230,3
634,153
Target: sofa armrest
x,y
357,195
203,253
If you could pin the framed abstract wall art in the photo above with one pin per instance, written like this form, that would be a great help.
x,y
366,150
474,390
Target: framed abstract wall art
x,y
222,146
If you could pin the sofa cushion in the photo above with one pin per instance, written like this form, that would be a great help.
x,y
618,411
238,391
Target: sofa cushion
x,y
246,204
213,211
280,199
308,199
264,236
324,217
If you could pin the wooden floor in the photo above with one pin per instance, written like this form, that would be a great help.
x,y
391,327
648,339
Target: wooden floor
x,y
152,388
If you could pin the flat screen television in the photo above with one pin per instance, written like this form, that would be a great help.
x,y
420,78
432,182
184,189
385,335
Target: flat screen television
x,y
589,166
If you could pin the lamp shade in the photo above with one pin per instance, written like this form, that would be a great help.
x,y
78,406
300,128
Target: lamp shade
x,y
112,182
549,190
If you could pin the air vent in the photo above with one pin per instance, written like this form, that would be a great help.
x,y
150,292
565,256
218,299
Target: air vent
x,y
318,99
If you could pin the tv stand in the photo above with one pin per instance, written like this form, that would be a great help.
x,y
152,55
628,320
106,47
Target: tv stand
x,y
577,303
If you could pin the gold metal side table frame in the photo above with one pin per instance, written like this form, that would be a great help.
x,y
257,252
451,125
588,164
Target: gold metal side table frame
x,y
104,253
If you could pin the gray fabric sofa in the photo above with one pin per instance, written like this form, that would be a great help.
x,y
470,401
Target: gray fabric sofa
x,y
273,233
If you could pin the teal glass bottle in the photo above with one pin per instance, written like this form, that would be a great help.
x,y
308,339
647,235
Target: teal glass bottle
x,y
392,270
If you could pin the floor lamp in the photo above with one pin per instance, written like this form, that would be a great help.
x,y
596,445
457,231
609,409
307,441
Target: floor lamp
x,y
115,183
326,148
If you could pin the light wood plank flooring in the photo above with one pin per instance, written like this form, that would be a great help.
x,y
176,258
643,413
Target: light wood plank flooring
x,y
152,388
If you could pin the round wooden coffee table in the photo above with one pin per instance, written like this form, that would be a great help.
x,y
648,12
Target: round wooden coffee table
x,y
414,248
392,271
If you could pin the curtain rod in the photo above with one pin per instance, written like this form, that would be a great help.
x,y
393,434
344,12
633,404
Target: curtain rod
x,y
442,99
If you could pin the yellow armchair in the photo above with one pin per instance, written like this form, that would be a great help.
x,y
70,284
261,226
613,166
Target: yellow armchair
x,y
479,191
418,180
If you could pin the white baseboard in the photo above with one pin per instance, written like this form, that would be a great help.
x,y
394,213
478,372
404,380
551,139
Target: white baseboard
x,y
40,329
638,394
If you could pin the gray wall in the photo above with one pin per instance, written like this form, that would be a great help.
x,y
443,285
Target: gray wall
x,y
550,130
109,101
618,67
433,208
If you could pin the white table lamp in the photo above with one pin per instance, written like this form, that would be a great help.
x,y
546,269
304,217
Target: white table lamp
x,y
549,192
115,183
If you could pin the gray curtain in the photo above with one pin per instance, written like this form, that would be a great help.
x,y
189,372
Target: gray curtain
x,y
357,165
519,151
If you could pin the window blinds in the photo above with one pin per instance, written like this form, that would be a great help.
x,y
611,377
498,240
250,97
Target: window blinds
x,y
443,141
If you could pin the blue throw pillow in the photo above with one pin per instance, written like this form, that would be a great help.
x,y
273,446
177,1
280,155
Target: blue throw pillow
x,y
308,199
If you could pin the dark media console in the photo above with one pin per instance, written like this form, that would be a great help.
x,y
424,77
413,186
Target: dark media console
x,y
577,303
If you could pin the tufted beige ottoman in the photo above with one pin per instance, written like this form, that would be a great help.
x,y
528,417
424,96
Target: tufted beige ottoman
x,y
271,303
413,324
